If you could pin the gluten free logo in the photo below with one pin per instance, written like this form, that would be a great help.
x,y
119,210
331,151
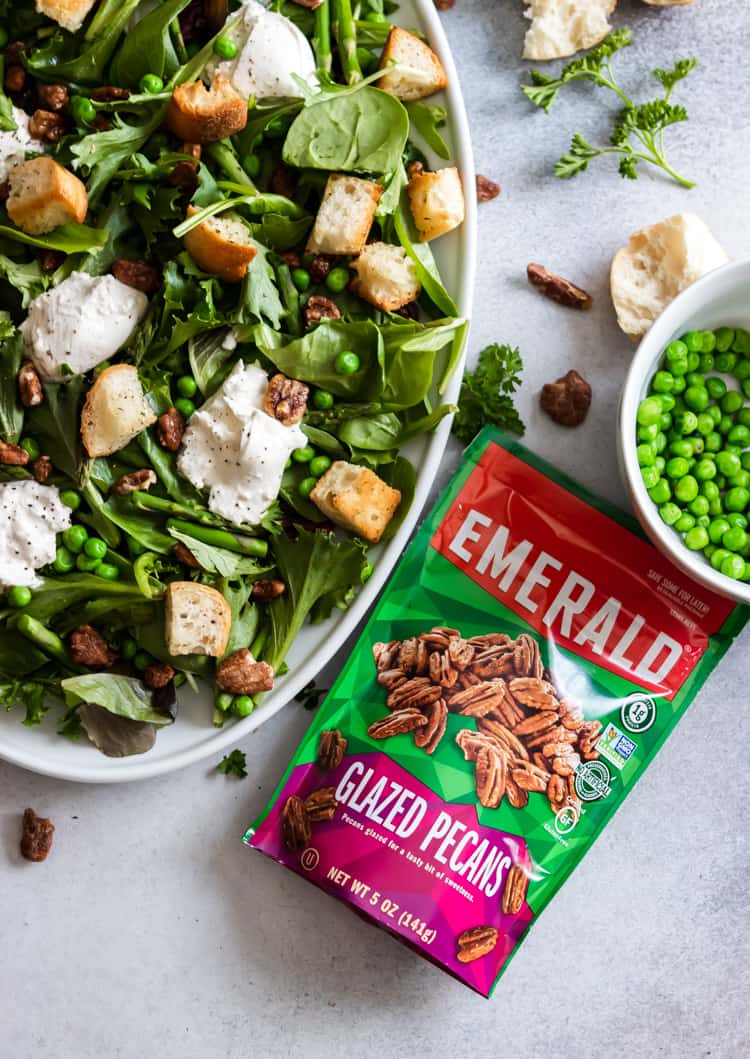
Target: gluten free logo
x,y
638,714
592,781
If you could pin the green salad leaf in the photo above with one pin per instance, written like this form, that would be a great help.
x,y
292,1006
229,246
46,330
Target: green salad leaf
x,y
427,118
148,47
124,696
11,354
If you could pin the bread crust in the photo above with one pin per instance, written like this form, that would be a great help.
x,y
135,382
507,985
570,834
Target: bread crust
x,y
97,418
55,196
197,114
216,254
70,14
403,48
217,616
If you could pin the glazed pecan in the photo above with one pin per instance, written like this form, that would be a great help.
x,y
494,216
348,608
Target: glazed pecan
x,y
240,674
286,400
87,647
15,79
183,555
588,736
413,656
489,639
460,653
53,97
571,715
533,692
320,308
36,836
320,266
417,692
110,94
558,289
440,636
268,588
295,824
158,675
292,259
50,260
391,678
517,796
472,742
553,750
491,768
321,805
29,385
508,712
184,175
556,792
566,764
527,660
567,400
477,942
41,468
137,274
494,662
514,890
47,125
134,481
385,654
169,428
193,149
502,735
13,455
530,778
331,749
486,189
536,723
441,670
428,737
550,735
283,182
397,723
479,699
414,169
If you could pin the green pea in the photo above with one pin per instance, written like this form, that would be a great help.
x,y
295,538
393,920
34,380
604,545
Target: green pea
x,y
669,513
681,447
107,571
677,467
19,596
718,557
95,548
87,564
686,489
725,362
742,371
679,383
692,341
151,84
252,166
731,402
306,486
301,278
733,566
685,422
646,454
713,441
698,445
660,463
736,499
665,421
650,476
739,435
709,550
75,537
717,529
303,455
735,539
648,433
29,445
82,110
705,469
741,342
696,539
685,522
184,406
699,507
348,364
660,442
721,481
319,465
693,361
705,424
715,412
243,706
668,402
724,339
64,560
322,400
187,386
728,463
707,363
716,387
142,660
649,411
662,382
736,518
694,378
745,461
708,342
225,48
725,424
660,492
129,648
223,701
375,16
337,280
741,478
746,388
710,490
704,521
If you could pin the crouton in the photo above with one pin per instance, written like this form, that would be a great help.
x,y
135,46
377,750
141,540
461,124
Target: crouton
x,y
345,215
70,14
421,73
563,27
437,202
44,195
197,114
115,411
385,276
355,498
658,263
198,620
221,246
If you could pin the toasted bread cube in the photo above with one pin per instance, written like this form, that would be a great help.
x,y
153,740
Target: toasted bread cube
x,y
437,202
115,411
385,276
345,215
221,245
197,114
44,195
563,27
355,498
198,620
70,14
421,72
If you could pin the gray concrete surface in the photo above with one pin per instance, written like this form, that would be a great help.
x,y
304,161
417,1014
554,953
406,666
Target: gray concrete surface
x,y
151,932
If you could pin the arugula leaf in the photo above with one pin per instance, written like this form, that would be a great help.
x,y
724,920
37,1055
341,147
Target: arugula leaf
x,y
220,560
123,696
427,119
148,47
32,694
210,359
87,57
28,279
260,297
245,613
233,765
11,354
54,423
486,393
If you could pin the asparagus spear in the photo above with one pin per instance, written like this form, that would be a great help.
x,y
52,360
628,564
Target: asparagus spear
x,y
322,37
42,637
148,502
346,37
216,538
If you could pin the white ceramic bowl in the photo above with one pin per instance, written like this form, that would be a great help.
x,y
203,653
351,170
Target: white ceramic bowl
x,y
722,298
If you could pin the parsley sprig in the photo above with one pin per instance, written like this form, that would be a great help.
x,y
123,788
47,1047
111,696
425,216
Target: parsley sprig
x,y
486,393
233,764
638,132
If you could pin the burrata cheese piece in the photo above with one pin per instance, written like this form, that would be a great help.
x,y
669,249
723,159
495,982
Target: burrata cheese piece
x,y
31,515
236,450
80,323
16,143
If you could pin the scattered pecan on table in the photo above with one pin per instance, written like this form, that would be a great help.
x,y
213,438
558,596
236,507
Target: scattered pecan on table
x,y
567,400
558,289
36,836
486,189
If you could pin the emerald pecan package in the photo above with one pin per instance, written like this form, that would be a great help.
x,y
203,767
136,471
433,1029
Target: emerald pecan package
x,y
528,658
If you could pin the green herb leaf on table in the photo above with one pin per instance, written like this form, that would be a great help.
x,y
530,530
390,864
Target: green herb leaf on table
x,y
233,765
311,696
486,393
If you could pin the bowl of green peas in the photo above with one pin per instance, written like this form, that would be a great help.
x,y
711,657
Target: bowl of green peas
x,y
684,431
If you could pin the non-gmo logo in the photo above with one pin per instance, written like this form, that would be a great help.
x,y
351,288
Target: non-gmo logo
x,y
592,781
638,714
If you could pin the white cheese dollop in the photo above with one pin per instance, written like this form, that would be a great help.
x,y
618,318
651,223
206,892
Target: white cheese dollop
x,y
14,144
232,447
30,516
80,323
270,49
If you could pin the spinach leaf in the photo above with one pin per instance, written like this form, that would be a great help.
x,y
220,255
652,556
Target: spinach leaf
x,y
410,352
17,656
70,238
279,232
141,527
363,131
113,735
66,58
54,423
11,354
399,475
426,423
421,255
378,433
148,47
123,696
324,441
312,358
210,360
426,119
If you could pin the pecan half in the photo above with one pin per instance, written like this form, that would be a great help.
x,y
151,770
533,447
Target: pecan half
x,y
47,125
320,308
184,175
496,661
397,723
158,675
556,791
286,400
571,715
491,768
15,79
183,555
558,289
50,260
417,692
41,468
487,189
588,737
472,742
110,94
475,943
460,653
240,674
428,737
321,805
385,654
295,824
291,258
134,481
36,836
266,589
514,890
53,97
566,764
533,692
320,266
137,274
478,700
536,723
527,661
87,647
441,670
501,734
391,678
283,182
29,385
530,778
169,428
13,455
413,656
567,400
517,796
331,749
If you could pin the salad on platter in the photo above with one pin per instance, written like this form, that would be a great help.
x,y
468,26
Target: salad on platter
x,y
220,323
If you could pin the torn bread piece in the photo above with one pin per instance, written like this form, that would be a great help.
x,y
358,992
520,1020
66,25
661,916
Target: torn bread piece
x,y
357,499
221,246
385,276
115,411
658,263
70,14
437,202
345,215
197,114
562,27
44,195
420,73
198,620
